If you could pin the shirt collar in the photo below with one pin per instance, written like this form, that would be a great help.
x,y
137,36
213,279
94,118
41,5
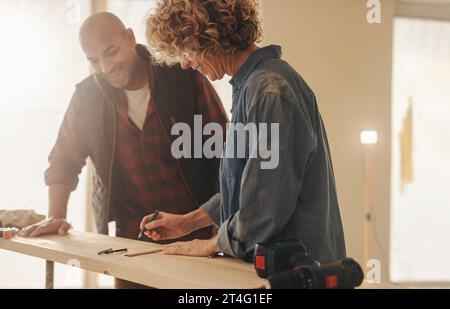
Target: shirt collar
x,y
259,55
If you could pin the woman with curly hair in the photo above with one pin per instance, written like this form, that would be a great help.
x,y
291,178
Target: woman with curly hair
x,y
294,200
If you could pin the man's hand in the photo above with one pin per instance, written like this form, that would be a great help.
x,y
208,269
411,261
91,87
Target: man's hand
x,y
166,226
196,247
45,227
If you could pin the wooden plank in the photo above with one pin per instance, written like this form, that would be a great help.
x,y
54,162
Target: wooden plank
x,y
156,270
382,286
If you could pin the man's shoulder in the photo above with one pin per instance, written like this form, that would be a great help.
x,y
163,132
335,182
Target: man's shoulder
x,y
86,84
89,93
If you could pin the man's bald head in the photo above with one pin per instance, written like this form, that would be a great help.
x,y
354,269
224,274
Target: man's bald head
x,y
110,47
101,22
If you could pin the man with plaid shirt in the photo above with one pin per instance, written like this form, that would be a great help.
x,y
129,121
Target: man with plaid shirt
x,y
121,117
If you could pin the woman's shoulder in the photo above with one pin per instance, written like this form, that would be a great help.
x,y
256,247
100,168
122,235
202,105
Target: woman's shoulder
x,y
277,75
265,80
274,76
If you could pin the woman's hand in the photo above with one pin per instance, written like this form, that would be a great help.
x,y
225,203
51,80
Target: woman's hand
x,y
166,226
171,226
196,247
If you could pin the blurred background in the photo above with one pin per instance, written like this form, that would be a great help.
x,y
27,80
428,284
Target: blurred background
x,y
381,74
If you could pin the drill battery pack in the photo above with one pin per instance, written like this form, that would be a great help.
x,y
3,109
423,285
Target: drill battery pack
x,y
275,257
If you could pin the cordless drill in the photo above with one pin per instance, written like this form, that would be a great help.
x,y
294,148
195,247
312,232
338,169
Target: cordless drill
x,y
289,265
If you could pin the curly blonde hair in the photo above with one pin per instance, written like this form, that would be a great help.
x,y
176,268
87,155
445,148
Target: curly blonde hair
x,y
202,27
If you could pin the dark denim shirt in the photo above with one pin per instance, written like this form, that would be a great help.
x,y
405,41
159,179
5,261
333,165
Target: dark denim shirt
x,y
295,200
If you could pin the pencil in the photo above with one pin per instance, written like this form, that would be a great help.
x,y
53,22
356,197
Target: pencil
x,y
154,216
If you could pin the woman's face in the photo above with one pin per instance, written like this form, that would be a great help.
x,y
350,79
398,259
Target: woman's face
x,y
211,66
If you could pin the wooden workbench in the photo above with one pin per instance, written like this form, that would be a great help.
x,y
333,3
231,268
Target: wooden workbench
x,y
156,270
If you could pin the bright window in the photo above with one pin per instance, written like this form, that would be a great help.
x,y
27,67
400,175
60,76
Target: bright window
x,y
420,227
40,63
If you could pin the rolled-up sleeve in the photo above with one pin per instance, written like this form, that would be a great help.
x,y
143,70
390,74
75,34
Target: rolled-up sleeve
x,y
70,151
268,197
212,208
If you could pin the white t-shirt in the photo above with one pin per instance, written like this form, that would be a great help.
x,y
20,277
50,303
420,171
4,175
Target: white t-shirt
x,y
138,101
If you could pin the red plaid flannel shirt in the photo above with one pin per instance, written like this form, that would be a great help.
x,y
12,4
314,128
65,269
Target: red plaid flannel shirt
x,y
146,176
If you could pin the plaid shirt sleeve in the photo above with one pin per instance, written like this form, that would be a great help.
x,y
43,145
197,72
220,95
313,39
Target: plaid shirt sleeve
x,y
70,151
